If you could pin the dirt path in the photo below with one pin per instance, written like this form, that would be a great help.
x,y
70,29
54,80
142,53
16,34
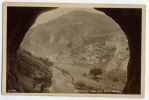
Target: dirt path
x,y
61,83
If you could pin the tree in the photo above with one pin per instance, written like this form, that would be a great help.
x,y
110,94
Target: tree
x,y
95,71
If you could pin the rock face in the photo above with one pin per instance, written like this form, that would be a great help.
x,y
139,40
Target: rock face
x,y
80,37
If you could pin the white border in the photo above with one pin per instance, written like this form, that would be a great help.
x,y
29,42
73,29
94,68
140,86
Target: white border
x,y
85,1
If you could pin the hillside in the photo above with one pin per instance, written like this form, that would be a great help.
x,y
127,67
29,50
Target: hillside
x,y
80,37
58,32
32,72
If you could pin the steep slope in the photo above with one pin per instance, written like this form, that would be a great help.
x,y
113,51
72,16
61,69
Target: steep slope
x,y
55,34
81,37
31,72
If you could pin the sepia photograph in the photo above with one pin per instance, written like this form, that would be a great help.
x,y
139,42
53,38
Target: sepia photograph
x,y
73,49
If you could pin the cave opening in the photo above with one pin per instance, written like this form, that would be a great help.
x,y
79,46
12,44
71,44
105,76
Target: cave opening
x,y
128,19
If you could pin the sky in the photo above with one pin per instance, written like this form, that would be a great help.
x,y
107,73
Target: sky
x,y
43,18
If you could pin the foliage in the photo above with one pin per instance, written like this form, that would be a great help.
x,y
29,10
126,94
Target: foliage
x,y
95,72
81,85
33,70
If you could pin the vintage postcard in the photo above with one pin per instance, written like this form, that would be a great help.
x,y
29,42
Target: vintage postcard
x,y
73,49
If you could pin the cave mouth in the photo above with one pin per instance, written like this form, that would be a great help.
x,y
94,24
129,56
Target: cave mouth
x,y
94,46
128,19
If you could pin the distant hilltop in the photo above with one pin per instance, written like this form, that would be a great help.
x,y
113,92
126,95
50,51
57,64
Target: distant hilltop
x,y
82,37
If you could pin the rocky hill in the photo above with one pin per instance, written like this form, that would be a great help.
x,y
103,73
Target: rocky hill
x,y
80,37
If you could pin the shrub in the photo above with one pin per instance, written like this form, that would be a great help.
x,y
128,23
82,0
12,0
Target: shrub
x,y
95,72
80,85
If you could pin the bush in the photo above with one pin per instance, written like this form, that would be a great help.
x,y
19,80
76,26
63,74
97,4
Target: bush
x,y
83,86
95,72
79,85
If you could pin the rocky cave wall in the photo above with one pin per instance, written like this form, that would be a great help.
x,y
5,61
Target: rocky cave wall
x,y
20,20
130,21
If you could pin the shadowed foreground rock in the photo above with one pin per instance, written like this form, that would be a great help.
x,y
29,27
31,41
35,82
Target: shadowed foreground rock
x,y
129,20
